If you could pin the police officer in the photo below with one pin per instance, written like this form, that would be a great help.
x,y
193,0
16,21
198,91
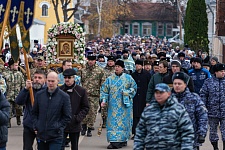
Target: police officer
x,y
213,95
194,106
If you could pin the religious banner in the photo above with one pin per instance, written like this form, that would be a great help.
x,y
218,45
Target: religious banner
x,y
24,34
3,4
28,13
14,47
65,41
14,13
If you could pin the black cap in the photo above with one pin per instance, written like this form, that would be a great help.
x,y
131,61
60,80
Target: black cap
x,y
139,62
182,76
120,63
161,54
118,53
181,54
206,64
146,62
69,72
125,51
100,56
11,62
219,67
199,60
6,44
156,63
91,56
113,58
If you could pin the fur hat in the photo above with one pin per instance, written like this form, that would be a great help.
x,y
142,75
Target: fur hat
x,y
219,67
139,62
120,63
182,76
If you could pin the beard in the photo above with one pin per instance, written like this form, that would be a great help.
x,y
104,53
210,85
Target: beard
x,y
125,57
37,86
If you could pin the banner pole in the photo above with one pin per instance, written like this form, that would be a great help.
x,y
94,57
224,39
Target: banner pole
x,y
6,17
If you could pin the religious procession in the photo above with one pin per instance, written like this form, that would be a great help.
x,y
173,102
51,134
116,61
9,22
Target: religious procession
x,y
150,92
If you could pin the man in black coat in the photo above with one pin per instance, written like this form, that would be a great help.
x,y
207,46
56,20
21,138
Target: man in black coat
x,y
24,99
142,78
176,67
79,105
50,114
4,118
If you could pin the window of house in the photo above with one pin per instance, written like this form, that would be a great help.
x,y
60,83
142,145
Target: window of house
x,y
135,29
146,29
169,29
126,31
160,29
44,10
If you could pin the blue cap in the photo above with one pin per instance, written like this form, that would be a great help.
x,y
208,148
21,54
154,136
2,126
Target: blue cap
x,y
162,87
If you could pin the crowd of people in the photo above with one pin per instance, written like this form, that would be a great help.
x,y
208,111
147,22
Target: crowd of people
x,y
147,90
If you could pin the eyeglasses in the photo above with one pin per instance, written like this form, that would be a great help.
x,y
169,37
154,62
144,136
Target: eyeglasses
x,y
69,77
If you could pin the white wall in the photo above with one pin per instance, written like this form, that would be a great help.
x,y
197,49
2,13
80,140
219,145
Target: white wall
x,y
37,33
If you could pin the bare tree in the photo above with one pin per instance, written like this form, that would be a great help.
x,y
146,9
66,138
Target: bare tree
x,y
65,9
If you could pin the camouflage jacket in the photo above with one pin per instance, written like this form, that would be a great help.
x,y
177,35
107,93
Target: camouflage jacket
x,y
109,71
92,79
164,127
196,110
15,82
213,95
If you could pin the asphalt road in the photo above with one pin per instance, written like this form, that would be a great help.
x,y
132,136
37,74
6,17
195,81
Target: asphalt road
x,y
95,142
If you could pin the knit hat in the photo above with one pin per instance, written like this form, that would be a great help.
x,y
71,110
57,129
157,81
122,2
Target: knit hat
x,y
120,63
182,76
215,58
176,62
139,62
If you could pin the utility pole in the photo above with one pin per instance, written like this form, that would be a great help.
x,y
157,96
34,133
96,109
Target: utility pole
x,y
180,18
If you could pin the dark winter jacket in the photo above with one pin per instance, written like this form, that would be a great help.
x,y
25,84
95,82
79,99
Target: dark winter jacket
x,y
79,106
167,127
23,98
213,95
51,113
168,80
156,78
139,101
4,119
196,110
199,76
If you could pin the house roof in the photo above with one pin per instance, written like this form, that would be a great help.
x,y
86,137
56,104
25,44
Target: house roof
x,y
152,11
37,21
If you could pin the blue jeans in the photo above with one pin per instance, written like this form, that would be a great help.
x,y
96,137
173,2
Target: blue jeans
x,y
50,145
2,148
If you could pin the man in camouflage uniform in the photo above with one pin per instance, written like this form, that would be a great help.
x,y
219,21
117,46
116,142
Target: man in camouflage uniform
x,y
109,70
194,106
213,95
92,77
162,119
40,65
15,82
